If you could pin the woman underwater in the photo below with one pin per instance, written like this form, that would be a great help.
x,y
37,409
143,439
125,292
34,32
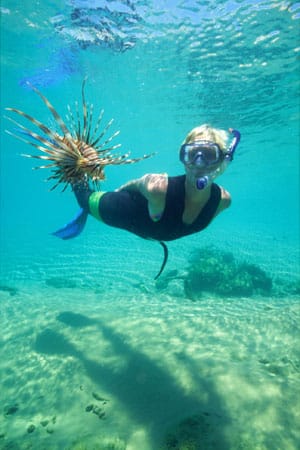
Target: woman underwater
x,y
155,206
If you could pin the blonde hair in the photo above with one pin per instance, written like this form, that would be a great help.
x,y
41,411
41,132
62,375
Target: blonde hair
x,y
208,133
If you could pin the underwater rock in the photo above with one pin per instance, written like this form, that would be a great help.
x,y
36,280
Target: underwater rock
x,y
97,410
31,428
218,272
61,282
11,290
98,397
50,430
44,423
280,367
10,410
263,361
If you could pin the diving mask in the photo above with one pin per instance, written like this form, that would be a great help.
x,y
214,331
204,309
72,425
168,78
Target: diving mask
x,y
206,154
201,153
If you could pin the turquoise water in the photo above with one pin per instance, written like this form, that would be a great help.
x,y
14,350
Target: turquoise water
x,y
84,319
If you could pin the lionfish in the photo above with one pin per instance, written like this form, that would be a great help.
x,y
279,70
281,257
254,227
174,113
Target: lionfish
x,y
76,154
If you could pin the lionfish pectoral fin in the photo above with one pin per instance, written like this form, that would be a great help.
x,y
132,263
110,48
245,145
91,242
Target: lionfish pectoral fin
x,y
74,227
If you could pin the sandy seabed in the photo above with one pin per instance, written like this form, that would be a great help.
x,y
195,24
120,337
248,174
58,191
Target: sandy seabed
x,y
143,370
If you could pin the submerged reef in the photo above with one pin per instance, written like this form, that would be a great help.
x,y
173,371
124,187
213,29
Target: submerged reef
x,y
198,432
212,270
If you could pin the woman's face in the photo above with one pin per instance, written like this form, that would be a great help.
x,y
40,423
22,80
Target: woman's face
x,y
193,172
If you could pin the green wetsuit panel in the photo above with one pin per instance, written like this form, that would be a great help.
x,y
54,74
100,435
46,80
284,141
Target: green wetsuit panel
x,y
94,200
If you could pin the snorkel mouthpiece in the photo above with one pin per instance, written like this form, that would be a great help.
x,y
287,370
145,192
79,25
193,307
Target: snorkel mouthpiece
x,y
203,181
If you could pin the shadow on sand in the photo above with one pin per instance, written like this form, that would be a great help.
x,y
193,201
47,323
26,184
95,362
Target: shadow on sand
x,y
155,401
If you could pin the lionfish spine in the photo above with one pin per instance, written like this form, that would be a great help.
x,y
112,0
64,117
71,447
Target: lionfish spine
x,y
78,121
93,140
41,126
70,118
105,129
89,122
109,140
55,114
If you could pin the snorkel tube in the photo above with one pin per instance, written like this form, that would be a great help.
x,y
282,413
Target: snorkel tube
x,y
234,143
203,181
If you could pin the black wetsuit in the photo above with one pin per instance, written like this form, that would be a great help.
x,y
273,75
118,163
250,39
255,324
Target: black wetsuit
x,y
129,210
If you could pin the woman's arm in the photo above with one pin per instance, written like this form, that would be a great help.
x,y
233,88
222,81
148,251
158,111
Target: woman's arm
x,y
153,187
225,201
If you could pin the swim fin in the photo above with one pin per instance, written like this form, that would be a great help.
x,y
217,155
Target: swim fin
x,y
166,254
73,228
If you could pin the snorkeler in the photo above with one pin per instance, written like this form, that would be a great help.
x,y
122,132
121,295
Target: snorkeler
x,y
154,206
165,208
